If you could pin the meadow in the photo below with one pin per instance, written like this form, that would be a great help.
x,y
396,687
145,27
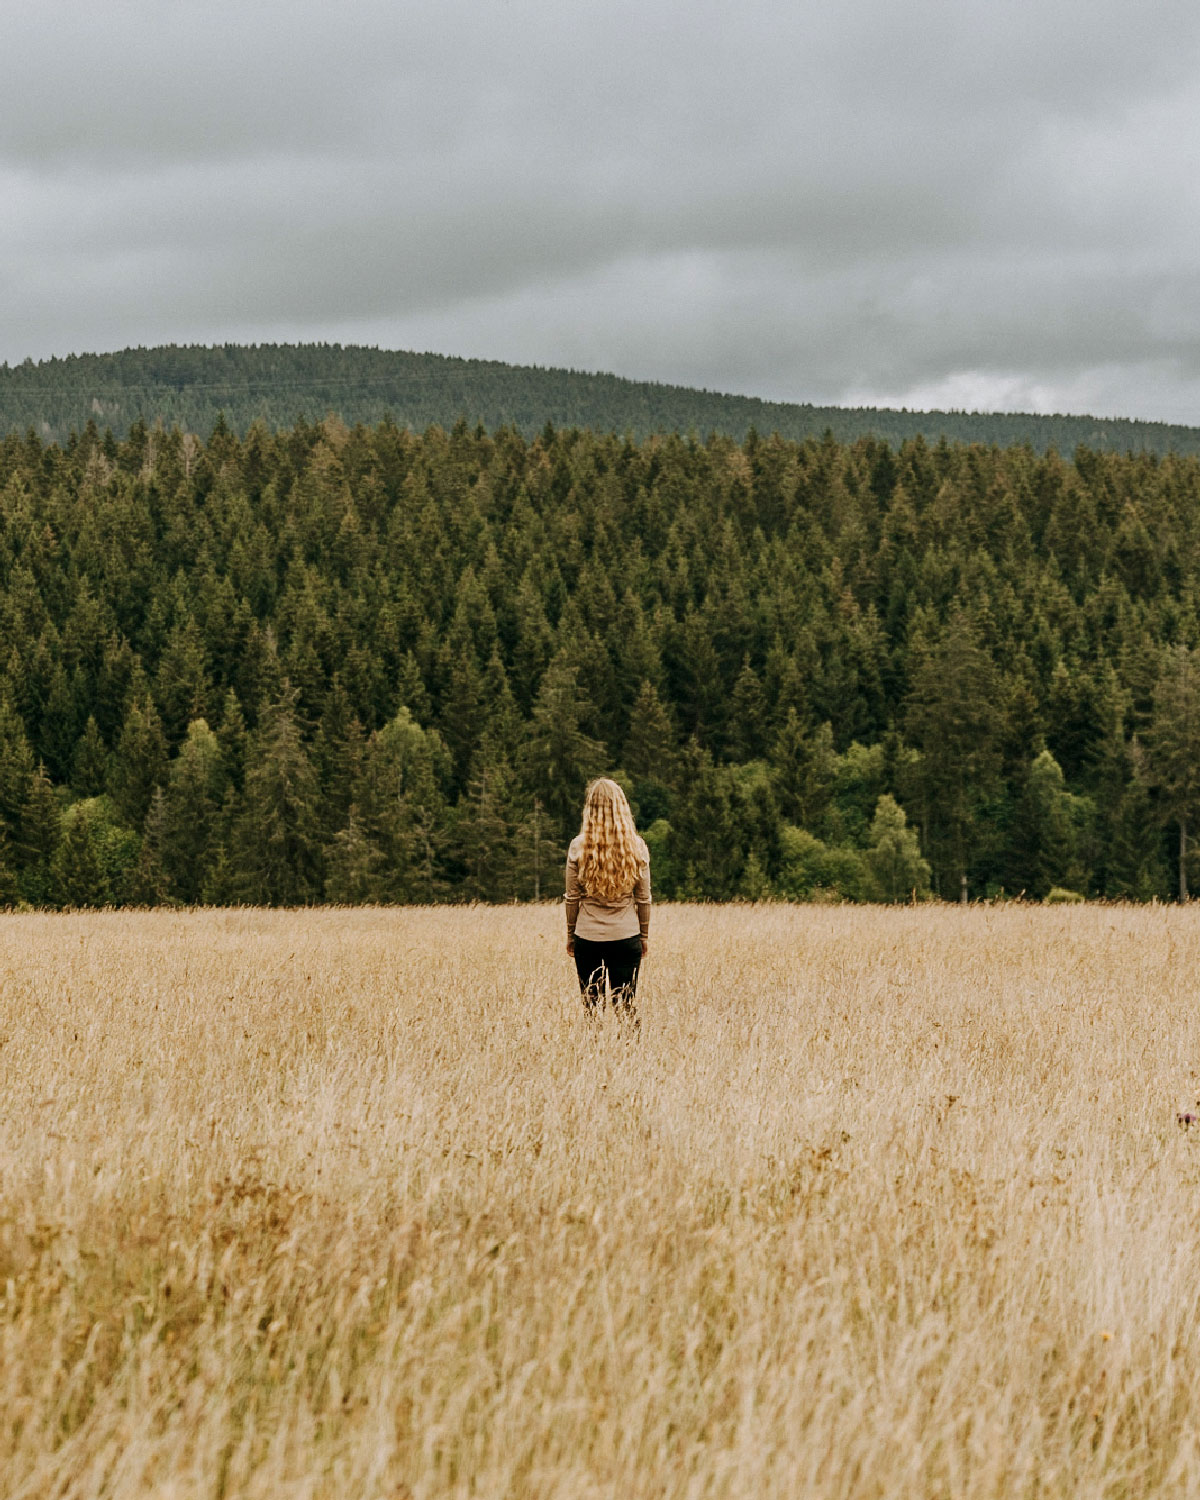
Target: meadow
x,y
881,1202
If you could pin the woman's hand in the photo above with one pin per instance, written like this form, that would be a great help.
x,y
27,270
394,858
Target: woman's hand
x,y
570,947
645,946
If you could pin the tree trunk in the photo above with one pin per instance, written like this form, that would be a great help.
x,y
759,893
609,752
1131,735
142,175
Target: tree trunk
x,y
962,889
1183,890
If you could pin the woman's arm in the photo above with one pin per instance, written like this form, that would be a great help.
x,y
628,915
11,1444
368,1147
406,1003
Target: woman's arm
x,y
641,897
572,901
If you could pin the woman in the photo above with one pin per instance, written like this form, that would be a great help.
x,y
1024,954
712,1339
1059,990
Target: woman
x,y
608,899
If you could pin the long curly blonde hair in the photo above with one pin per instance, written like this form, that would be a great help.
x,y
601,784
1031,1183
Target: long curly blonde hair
x,y
609,859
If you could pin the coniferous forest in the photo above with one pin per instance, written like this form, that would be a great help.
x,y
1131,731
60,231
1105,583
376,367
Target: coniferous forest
x,y
335,664
191,386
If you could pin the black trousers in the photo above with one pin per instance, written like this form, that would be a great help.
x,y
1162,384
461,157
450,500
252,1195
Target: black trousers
x,y
617,961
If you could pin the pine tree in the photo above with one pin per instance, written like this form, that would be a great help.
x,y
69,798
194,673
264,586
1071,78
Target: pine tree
x,y
706,836
16,767
804,767
10,890
40,832
459,720
337,754
953,719
277,843
486,832
559,757
352,864
182,685
60,726
232,738
195,787
77,870
894,857
504,729
90,764
400,798
745,735
1174,747
1137,863
1042,837
152,885
138,763
650,752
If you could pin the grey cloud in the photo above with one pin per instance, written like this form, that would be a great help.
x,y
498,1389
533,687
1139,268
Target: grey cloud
x,y
804,201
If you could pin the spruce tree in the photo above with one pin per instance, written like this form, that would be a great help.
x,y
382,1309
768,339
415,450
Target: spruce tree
x,y
402,804
40,832
90,765
352,864
16,767
558,756
486,840
182,685
138,763
337,753
277,843
231,736
650,752
77,870
953,719
152,884
894,857
10,890
189,833
746,731
1173,742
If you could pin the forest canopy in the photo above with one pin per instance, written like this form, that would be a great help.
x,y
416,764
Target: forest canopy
x,y
277,384
352,664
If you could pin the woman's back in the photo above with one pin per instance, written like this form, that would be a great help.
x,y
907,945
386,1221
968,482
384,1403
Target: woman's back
x,y
603,918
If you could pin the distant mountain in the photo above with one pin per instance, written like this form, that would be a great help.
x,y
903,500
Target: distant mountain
x,y
277,384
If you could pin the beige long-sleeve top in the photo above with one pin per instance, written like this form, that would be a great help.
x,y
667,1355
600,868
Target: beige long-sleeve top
x,y
604,921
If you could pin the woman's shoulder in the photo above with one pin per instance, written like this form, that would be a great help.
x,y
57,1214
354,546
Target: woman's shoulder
x,y
575,847
643,850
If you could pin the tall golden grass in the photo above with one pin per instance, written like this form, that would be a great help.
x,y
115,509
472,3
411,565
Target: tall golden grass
x,y
355,1203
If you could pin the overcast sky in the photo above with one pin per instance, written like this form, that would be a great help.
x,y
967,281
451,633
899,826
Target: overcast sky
x,y
917,202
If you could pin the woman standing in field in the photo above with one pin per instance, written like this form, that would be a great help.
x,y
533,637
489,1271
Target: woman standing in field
x,y
608,899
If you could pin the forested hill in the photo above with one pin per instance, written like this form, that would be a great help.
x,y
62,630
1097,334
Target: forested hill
x,y
190,387
372,665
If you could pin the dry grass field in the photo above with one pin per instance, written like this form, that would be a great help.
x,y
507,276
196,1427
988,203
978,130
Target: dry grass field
x,y
354,1203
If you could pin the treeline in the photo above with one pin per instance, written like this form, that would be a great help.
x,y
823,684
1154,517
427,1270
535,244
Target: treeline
x,y
367,665
191,387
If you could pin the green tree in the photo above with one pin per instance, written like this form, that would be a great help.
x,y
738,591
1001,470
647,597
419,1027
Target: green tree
x,y
95,862
139,762
189,834
16,769
487,829
894,859
953,719
40,833
805,769
403,808
1174,746
182,685
90,766
747,723
77,872
10,890
151,884
1042,837
277,837
559,757
352,864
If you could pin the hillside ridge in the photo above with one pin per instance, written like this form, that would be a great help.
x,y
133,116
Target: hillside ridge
x,y
191,386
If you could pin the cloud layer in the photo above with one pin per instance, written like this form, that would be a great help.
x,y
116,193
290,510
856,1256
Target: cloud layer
x,y
921,203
